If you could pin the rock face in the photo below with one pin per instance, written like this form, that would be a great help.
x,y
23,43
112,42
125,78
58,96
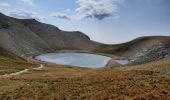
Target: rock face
x,y
152,53
141,50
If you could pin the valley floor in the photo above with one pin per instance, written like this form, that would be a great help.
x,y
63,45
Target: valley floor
x,y
54,82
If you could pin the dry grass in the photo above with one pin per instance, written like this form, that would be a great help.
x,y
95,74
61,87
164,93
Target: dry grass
x,y
10,65
149,81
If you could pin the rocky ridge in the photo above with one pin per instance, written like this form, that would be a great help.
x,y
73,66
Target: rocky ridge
x,y
154,52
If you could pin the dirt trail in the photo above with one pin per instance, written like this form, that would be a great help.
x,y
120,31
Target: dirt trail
x,y
23,71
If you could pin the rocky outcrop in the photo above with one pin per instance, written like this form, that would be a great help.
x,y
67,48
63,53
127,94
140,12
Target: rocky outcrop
x,y
140,50
151,53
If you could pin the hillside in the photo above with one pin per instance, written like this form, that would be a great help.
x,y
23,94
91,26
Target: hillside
x,y
140,50
143,82
18,39
58,39
5,54
28,37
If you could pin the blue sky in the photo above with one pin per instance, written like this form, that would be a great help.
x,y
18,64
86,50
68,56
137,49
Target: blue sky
x,y
106,21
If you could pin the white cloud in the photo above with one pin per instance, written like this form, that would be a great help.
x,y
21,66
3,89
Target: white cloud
x,y
93,9
5,4
97,9
25,14
60,15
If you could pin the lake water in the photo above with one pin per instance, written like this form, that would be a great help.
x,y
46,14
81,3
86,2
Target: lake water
x,y
75,59
122,61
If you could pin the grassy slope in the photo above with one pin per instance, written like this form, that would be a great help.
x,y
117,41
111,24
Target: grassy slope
x,y
8,65
147,81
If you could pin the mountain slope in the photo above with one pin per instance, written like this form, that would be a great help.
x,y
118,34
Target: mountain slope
x,y
58,39
18,39
25,37
8,55
28,37
141,50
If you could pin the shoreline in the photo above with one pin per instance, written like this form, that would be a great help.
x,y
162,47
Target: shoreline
x,y
113,57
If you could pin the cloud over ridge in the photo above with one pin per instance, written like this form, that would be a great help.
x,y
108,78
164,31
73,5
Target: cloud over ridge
x,y
25,14
61,15
97,9
92,9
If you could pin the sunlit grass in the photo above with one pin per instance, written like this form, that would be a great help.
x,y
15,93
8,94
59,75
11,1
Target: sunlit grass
x,y
9,65
149,81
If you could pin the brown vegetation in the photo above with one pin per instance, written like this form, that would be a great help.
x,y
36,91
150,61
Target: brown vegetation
x,y
147,81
